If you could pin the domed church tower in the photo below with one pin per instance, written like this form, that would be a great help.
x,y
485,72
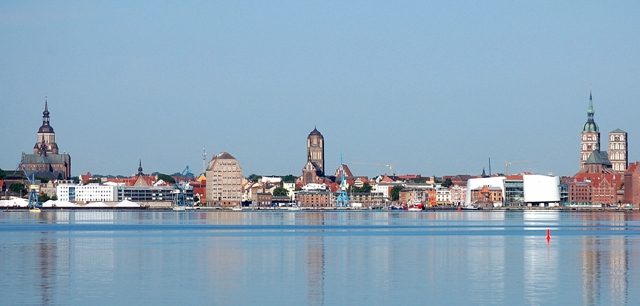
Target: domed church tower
x,y
46,161
590,135
46,143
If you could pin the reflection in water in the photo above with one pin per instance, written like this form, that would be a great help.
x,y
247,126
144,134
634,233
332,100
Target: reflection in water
x,y
590,274
618,267
315,263
486,258
541,269
317,258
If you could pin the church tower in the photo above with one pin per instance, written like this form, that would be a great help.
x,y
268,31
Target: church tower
x,y
46,162
590,135
618,154
315,150
46,143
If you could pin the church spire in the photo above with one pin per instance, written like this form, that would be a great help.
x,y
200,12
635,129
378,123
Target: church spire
x,y
590,111
590,125
45,114
140,168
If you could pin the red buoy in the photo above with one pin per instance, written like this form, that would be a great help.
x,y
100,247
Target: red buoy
x,y
548,235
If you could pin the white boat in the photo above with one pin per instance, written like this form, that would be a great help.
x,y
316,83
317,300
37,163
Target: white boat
x,y
179,208
237,208
294,208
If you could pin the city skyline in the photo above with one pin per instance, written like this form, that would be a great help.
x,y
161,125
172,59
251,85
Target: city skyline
x,y
435,88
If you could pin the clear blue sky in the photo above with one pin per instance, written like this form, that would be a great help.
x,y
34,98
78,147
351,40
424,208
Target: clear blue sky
x,y
436,87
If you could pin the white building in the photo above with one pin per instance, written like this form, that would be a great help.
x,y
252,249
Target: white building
x,y
443,195
458,194
86,193
541,189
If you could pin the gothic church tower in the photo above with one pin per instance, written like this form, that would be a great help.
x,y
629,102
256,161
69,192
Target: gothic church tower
x,y
315,150
618,154
590,135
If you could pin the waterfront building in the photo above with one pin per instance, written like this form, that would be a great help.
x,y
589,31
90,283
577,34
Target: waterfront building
x,y
365,199
93,192
314,198
443,195
594,188
263,199
410,196
458,194
478,183
541,190
618,154
46,162
486,196
224,181
632,185
514,190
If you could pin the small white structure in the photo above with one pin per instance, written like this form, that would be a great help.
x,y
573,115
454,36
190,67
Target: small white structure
x,y
59,204
127,204
96,205
314,186
14,202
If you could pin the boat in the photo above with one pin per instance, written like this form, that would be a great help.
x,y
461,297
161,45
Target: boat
x,y
34,210
294,208
237,208
178,208
415,206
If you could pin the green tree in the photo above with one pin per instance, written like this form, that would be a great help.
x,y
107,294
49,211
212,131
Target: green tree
x,y
167,178
280,192
43,197
18,188
54,197
395,192
3,174
289,178
447,183
93,181
59,176
254,178
196,199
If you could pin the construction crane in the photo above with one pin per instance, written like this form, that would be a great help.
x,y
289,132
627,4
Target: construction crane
x,y
390,166
180,199
507,163
33,190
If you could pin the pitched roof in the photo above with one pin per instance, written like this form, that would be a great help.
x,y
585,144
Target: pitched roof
x,y
618,131
44,159
598,157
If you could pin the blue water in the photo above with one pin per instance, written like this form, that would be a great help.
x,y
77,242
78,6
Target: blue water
x,y
319,258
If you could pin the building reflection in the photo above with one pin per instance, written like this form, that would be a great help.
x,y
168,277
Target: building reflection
x,y
315,261
605,258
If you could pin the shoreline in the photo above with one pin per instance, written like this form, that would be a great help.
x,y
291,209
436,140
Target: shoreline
x,y
328,209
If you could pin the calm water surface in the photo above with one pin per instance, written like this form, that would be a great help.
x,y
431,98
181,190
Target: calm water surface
x,y
319,258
